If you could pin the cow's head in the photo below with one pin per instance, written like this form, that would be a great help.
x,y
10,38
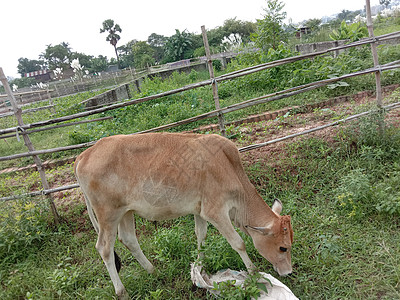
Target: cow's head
x,y
274,240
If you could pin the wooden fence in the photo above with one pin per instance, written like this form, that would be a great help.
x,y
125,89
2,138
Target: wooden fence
x,y
25,129
105,80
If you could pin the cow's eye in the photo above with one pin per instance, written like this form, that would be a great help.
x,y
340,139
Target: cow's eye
x,y
283,249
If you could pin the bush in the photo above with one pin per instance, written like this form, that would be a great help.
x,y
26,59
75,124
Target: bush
x,y
217,65
352,32
387,194
376,138
23,225
372,187
354,194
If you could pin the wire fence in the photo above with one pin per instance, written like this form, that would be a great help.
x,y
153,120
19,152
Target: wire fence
x,y
25,129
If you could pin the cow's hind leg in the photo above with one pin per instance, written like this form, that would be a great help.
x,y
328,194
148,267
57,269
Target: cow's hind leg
x,y
127,236
105,246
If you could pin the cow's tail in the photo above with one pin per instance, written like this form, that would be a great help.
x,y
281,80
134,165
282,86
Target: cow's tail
x,y
93,218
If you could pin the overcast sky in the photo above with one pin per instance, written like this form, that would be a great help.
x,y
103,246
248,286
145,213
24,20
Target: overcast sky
x,y
27,26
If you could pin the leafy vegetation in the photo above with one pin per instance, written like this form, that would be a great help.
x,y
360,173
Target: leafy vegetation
x,y
270,32
352,32
250,289
341,193
194,102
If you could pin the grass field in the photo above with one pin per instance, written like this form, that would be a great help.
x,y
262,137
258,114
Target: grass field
x,y
341,190
340,187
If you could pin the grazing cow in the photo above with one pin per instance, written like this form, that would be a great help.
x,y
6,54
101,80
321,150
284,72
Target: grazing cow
x,y
161,176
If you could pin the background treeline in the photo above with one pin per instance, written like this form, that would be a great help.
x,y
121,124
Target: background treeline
x,y
268,32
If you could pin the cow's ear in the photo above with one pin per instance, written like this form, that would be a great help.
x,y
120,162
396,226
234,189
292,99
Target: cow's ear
x,y
277,206
263,230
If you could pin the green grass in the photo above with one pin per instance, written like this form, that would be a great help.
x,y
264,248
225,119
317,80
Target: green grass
x,y
194,102
342,194
345,247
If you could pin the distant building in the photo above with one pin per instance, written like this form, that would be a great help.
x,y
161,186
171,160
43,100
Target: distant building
x,y
302,31
41,75
112,68
48,75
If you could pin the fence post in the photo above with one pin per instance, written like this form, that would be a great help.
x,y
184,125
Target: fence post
x,y
374,54
214,82
18,114
50,101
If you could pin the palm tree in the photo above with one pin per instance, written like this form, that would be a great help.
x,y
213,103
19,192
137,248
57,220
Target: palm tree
x,y
113,36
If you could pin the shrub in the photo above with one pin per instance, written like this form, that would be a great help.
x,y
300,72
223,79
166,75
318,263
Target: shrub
x,y
23,225
372,186
387,194
354,193
217,65
352,32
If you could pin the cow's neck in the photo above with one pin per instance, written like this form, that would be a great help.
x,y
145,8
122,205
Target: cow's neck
x,y
253,211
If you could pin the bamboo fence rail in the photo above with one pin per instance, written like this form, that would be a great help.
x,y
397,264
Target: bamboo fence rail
x,y
256,101
243,149
56,126
350,118
208,82
24,129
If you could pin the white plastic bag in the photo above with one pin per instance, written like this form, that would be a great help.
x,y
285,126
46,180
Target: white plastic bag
x,y
278,291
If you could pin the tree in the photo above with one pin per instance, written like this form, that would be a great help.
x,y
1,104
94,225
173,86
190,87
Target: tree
x,y
178,45
313,24
84,59
270,32
26,65
143,54
126,57
384,2
215,37
347,15
237,31
98,64
22,82
113,36
157,42
57,56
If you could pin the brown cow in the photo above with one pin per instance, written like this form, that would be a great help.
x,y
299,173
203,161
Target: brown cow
x,y
161,176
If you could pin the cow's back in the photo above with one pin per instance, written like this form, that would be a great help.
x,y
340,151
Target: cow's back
x,y
160,175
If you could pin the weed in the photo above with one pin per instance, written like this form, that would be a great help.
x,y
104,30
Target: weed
x,y
65,277
250,289
219,254
328,248
155,295
387,194
354,194
170,243
23,224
